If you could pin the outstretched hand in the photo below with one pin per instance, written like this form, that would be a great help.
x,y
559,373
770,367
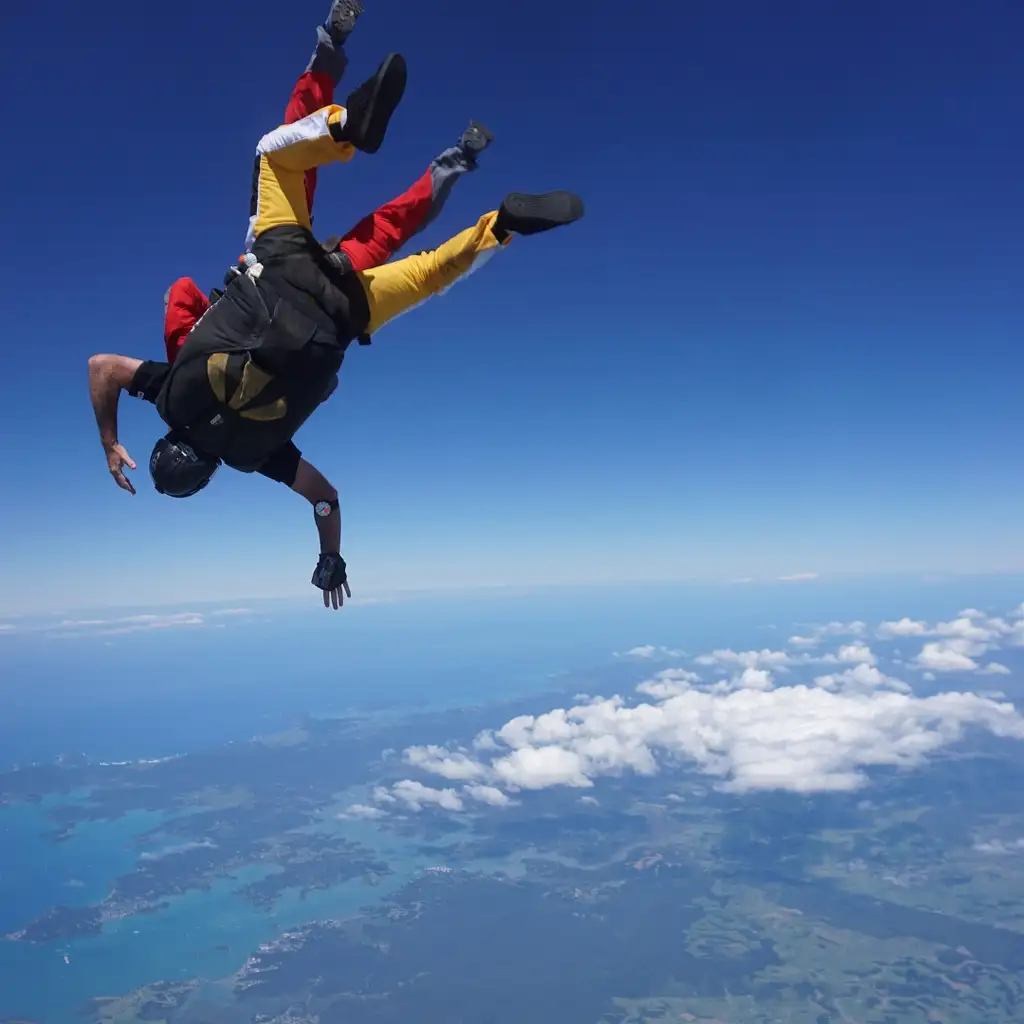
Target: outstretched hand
x,y
336,598
117,460
331,576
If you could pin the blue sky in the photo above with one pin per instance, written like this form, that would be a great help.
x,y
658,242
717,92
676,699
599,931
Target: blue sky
x,y
786,337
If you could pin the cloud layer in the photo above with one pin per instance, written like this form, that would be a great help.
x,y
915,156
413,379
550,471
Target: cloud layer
x,y
126,624
727,715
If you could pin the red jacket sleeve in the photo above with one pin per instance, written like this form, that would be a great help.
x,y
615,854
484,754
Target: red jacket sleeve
x,y
185,305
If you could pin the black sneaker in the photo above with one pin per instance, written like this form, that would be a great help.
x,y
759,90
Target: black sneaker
x,y
370,106
342,19
527,214
475,139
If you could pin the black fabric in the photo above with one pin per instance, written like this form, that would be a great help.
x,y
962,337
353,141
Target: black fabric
x,y
148,380
249,324
295,264
283,465
331,571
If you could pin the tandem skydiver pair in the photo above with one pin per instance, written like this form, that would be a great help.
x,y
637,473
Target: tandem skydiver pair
x,y
249,365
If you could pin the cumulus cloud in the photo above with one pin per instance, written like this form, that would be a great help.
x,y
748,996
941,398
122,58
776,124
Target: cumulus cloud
x,y
455,766
903,627
669,683
994,668
747,731
829,630
950,656
799,738
362,811
488,795
739,725
863,677
747,659
859,653
416,796
650,651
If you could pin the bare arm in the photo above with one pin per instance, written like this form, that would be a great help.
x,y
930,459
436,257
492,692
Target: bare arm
x,y
315,488
108,376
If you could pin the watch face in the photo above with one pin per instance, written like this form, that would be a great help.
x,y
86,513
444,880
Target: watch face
x,y
322,508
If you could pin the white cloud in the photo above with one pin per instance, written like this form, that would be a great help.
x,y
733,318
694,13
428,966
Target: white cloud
x,y
860,653
903,627
743,729
486,741
949,656
362,811
961,641
669,683
439,761
416,796
748,659
231,611
754,679
651,651
863,677
993,668
798,577
747,732
999,846
804,641
127,624
589,801
7,627
830,629
968,628
541,768
488,795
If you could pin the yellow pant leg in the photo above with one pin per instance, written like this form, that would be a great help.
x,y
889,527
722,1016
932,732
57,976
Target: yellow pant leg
x,y
284,155
394,288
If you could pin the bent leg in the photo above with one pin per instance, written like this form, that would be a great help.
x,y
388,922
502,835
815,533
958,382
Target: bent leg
x,y
382,233
377,237
184,304
395,288
282,158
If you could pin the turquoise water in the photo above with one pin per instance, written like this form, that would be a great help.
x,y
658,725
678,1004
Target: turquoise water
x,y
201,934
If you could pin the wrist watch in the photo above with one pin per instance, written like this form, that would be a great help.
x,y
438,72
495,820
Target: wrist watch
x,y
322,509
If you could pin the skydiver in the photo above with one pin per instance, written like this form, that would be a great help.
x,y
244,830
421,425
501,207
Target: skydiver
x,y
265,355
377,236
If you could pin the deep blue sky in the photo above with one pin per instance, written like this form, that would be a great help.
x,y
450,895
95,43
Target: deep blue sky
x,y
785,338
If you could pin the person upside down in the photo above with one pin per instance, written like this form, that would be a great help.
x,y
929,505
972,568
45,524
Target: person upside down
x,y
378,236
264,356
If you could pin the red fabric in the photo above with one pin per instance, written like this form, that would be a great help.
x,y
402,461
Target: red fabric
x,y
185,305
312,91
378,236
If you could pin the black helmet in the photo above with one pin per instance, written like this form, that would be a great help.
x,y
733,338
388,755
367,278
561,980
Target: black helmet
x,y
178,470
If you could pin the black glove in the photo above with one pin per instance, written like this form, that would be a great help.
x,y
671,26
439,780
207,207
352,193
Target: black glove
x,y
331,572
